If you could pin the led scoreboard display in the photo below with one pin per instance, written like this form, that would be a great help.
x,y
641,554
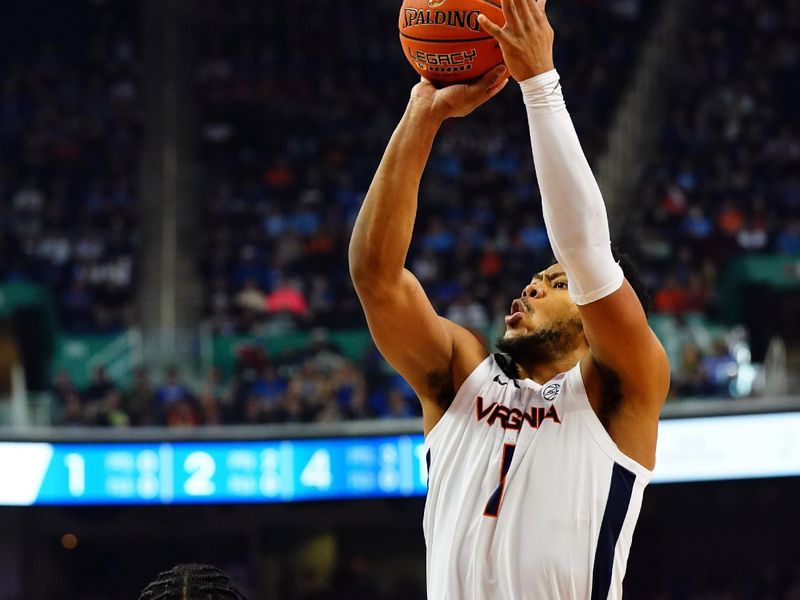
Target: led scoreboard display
x,y
202,472
370,466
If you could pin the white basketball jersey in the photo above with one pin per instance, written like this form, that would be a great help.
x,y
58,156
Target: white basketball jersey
x,y
528,496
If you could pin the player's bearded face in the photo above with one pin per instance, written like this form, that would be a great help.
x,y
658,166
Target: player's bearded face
x,y
548,342
544,323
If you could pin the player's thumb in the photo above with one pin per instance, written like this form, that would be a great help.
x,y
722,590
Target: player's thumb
x,y
497,87
495,78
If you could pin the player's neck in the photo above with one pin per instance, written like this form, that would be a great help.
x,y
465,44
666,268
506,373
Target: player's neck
x,y
544,371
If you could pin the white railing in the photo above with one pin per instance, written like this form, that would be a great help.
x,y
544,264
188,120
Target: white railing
x,y
378,427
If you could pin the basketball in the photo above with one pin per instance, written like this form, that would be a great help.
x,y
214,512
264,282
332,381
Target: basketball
x,y
443,40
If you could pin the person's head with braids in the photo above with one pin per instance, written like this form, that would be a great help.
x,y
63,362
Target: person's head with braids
x,y
192,582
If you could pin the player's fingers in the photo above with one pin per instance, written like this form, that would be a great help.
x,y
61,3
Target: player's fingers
x,y
489,27
524,10
539,7
510,13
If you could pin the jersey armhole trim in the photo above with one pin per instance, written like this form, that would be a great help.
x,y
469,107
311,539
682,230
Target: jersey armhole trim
x,y
473,379
599,433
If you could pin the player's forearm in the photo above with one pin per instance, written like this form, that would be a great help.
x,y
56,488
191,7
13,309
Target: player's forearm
x,y
382,232
573,207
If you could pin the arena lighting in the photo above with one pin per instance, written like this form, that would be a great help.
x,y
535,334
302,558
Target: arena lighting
x,y
178,472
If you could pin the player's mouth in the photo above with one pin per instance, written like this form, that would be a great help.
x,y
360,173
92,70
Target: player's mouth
x,y
518,310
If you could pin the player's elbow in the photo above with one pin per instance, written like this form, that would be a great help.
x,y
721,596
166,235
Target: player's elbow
x,y
364,272
372,281
369,270
359,265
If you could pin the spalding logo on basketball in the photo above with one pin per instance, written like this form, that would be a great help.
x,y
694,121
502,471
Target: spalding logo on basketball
x,y
443,40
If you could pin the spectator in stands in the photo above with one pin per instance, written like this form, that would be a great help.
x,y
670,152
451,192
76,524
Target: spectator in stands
x,y
213,396
291,408
172,389
690,378
72,413
99,386
111,412
141,399
398,405
63,386
287,297
721,369
183,412
268,387
176,402
349,391
788,241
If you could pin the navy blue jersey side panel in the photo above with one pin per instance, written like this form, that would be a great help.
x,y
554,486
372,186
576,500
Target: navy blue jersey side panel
x,y
619,498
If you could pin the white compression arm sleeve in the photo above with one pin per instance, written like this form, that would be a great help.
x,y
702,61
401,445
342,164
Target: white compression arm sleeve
x,y
574,212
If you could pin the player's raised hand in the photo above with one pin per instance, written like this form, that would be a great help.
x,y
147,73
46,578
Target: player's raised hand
x,y
526,39
460,99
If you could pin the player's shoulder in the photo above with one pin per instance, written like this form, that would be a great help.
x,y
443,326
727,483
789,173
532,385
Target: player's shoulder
x,y
469,351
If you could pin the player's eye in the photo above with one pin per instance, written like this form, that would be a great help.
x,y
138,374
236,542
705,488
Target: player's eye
x,y
560,285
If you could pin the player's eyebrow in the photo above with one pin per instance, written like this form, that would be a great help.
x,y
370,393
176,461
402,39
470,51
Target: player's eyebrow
x,y
550,276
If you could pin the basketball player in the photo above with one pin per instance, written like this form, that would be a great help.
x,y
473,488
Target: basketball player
x,y
192,582
538,457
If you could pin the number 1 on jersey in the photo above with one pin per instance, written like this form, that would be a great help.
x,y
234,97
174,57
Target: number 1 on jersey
x,y
493,505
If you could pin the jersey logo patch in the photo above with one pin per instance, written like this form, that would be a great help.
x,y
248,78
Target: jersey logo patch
x,y
550,391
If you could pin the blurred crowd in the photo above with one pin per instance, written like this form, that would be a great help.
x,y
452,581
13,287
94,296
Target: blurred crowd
x,y
69,154
311,385
281,200
726,179
297,102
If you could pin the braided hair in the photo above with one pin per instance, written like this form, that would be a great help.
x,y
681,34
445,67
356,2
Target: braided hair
x,y
192,582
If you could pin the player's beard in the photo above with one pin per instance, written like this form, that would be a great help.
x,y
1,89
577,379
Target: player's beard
x,y
544,345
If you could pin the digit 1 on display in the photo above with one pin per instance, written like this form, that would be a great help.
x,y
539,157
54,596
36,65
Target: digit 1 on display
x,y
76,473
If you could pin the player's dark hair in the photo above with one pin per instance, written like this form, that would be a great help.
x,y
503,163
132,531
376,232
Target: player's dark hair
x,y
631,273
192,582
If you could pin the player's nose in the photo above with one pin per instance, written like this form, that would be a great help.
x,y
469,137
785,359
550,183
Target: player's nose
x,y
532,291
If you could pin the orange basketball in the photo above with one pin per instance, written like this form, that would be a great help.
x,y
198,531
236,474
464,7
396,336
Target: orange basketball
x,y
443,40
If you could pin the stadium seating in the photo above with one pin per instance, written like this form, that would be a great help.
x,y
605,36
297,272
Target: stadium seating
x,y
69,154
725,183
290,138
